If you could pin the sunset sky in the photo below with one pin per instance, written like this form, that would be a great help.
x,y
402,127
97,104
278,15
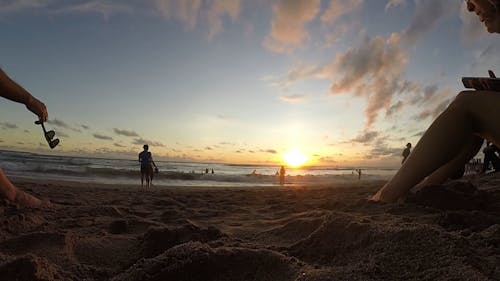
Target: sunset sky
x,y
240,81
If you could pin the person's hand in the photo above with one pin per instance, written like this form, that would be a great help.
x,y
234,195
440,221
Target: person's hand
x,y
38,108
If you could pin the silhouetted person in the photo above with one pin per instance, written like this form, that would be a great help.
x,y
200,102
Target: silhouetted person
x,y
206,171
490,156
282,175
146,160
406,152
359,173
212,171
458,132
14,92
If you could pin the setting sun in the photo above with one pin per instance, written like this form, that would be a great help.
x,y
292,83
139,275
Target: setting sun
x,y
294,158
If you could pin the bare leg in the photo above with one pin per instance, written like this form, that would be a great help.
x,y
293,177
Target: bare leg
x,y
142,180
11,193
471,113
455,166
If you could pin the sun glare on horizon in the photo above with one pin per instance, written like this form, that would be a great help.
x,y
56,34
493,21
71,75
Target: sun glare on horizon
x,y
294,158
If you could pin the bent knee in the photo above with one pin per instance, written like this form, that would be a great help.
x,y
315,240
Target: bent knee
x,y
463,100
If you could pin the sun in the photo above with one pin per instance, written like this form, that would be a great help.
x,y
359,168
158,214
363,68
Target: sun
x,y
294,158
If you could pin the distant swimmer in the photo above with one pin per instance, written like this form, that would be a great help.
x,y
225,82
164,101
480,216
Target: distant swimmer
x,y
282,175
147,163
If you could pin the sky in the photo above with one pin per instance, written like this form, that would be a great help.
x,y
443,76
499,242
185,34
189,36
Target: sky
x,y
347,83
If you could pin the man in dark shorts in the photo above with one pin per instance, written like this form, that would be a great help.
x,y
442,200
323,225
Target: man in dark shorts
x,y
146,160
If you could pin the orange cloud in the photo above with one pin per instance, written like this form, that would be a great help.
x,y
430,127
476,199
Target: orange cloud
x,y
288,29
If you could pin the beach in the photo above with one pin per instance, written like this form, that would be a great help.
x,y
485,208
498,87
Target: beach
x,y
310,232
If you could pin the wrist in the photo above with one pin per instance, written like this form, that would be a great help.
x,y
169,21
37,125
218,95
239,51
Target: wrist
x,y
29,100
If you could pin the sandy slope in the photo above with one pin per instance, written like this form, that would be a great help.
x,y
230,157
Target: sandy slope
x,y
102,232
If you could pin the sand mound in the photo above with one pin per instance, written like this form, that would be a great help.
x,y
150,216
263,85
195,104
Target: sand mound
x,y
424,251
197,261
31,268
455,195
291,232
158,239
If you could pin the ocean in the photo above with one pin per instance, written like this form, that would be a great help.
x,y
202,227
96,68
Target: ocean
x,y
126,171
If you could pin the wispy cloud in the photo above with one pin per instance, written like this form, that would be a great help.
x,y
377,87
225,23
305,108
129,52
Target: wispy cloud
x,y
394,4
218,9
58,123
270,151
288,25
7,125
141,141
127,133
102,137
293,98
338,8
366,137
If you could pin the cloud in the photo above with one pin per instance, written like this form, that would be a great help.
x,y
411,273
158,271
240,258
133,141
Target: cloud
x,y
271,151
127,133
208,148
62,134
428,14
288,29
394,4
395,108
119,145
184,11
219,8
141,141
433,112
105,8
102,137
338,8
85,127
7,125
366,137
293,98
58,123
19,5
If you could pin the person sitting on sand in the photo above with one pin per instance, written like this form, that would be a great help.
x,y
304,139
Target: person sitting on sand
x,y
490,156
406,152
147,163
457,134
14,92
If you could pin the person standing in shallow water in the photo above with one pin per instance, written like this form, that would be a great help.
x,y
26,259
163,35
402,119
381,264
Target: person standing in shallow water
x,y
406,152
282,175
457,134
146,160
14,92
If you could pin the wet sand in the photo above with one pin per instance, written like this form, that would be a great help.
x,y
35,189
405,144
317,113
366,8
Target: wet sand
x,y
329,232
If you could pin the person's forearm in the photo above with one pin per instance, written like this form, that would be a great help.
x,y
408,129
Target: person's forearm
x,y
13,91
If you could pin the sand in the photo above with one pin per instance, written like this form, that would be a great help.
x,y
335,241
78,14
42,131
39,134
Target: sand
x,y
329,232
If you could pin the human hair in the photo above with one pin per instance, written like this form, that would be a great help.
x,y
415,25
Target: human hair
x,y
146,147
471,7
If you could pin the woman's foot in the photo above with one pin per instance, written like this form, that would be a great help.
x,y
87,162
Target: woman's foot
x,y
27,200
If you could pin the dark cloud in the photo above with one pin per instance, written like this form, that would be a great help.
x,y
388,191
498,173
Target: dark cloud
x,y
366,137
85,127
58,123
62,134
271,151
102,137
118,145
141,141
419,134
7,125
127,133
208,148
26,131
395,108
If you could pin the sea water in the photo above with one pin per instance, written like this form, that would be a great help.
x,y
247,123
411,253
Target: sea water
x,y
126,171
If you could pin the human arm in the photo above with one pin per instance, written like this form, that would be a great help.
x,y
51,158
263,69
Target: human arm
x,y
14,92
